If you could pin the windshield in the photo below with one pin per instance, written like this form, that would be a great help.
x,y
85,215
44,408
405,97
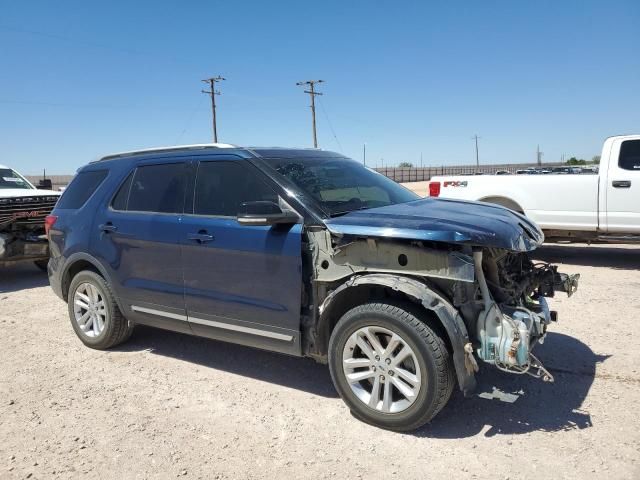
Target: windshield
x,y
12,179
340,185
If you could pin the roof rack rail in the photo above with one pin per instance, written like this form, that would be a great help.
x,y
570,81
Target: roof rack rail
x,y
198,146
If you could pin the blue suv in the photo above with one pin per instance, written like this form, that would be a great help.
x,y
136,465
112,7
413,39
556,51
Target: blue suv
x,y
308,253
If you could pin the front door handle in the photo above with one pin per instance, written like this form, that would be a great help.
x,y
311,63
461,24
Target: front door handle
x,y
621,183
107,227
201,237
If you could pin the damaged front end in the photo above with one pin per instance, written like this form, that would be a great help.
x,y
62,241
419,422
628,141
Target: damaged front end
x,y
489,301
515,313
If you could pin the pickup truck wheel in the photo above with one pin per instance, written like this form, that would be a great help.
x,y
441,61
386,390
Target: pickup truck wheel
x,y
94,313
389,367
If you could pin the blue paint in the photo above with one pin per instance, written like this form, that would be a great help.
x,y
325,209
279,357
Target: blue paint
x,y
442,220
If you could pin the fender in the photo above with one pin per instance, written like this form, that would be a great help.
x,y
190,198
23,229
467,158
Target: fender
x,y
78,256
449,317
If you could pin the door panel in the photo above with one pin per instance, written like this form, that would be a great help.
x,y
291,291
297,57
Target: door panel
x,y
142,250
623,188
242,283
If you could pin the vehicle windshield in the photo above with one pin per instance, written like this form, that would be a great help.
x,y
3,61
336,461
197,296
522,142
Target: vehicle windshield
x,y
340,185
12,179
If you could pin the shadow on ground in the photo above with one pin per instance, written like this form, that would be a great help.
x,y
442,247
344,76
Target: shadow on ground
x,y
21,277
539,406
293,372
547,407
592,256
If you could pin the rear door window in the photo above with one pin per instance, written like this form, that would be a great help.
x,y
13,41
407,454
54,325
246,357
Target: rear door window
x,y
81,188
630,155
158,188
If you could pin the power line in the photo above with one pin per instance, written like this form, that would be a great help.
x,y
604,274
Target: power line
x,y
190,118
312,93
212,92
331,126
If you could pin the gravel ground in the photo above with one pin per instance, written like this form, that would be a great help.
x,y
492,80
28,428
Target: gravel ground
x,y
168,405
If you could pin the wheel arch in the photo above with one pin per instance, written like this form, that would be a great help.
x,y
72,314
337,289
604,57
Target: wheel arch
x,y
445,318
75,264
504,202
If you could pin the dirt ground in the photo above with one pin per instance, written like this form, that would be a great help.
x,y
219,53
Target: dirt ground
x,y
167,405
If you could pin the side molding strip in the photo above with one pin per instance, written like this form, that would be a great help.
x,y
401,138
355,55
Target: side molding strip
x,y
211,323
239,328
160,313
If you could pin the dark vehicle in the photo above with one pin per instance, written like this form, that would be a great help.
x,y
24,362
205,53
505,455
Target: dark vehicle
x,y
307,253
23,210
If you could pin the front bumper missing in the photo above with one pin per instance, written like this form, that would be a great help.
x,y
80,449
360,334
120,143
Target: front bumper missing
x,y
508,334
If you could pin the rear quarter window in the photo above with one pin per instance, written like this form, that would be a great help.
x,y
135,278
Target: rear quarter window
x,y
81,188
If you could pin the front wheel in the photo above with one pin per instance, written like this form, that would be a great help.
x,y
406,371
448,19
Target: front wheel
x,y
389,366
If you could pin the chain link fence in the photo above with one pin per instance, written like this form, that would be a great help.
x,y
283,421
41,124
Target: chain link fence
x,y
419,174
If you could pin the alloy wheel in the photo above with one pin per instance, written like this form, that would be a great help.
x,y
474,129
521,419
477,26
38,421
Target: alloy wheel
x,y
381,369
89,308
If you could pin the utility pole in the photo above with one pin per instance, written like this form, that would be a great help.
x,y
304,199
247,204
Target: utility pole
x,y
539,156
476,137
364,154
212,91
312,92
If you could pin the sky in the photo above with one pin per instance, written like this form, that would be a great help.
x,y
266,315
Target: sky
x,y
79,80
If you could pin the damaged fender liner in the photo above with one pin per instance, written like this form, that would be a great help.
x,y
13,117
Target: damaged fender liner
x,y
430,300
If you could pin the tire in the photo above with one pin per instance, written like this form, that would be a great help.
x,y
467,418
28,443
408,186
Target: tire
x,y
42,264
115,327
429,366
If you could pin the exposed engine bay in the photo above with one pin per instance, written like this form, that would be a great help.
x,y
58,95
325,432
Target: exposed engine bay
x,y
491,301
516,313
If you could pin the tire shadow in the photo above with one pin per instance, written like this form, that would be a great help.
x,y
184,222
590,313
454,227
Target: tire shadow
x,y
294,372
538,406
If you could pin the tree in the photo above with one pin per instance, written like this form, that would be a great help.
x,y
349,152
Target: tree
x,y
575,161
405,165
596,159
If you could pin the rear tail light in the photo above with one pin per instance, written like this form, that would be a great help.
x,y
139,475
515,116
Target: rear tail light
x,y
49,221
434,189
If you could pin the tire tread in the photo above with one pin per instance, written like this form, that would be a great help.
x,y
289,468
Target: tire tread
x,y
445,373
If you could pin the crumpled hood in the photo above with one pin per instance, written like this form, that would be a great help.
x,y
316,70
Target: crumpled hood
x,y
443,220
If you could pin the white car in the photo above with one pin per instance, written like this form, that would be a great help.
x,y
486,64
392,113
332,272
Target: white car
x,y
23,209
585,207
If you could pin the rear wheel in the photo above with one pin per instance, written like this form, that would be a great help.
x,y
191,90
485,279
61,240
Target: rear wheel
x,y
94,313
389,367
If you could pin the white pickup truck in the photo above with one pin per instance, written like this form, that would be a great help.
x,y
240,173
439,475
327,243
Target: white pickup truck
x,y
585,207
23,209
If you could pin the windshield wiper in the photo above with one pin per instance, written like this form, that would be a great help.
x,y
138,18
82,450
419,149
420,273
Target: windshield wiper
x,y
337,214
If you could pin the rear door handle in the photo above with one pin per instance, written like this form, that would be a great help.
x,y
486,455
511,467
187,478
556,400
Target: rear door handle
x,y
108,227
201,237
621,183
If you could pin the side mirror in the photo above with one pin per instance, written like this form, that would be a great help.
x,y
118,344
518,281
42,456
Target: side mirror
x,y
261,213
